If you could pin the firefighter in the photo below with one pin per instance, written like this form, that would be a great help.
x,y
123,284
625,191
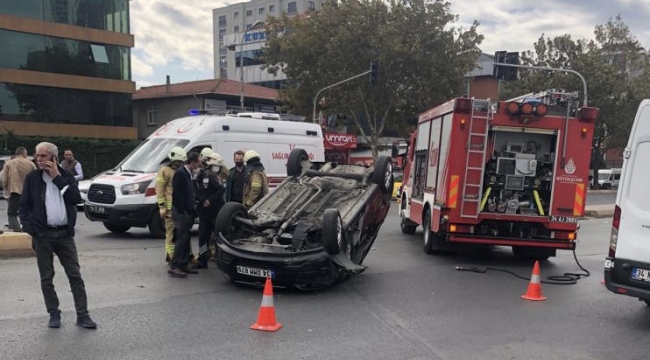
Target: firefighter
x,y
204,156
209,193
177,157
256,185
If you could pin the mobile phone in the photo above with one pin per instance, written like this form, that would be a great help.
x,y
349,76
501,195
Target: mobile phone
x,y
54,159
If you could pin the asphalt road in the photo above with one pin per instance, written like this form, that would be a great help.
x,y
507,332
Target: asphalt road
x,y
406,305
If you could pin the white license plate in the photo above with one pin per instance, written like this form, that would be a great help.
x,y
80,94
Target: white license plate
x,y
97,209
245,270
640,274
563,219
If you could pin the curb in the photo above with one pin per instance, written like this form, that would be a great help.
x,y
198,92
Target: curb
x,y
14,244
599,213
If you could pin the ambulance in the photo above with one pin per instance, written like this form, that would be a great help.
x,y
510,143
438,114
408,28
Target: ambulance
x,y
125,196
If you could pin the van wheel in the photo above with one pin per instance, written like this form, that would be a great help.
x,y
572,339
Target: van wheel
x,y
383,174
117,229
295,161
156,226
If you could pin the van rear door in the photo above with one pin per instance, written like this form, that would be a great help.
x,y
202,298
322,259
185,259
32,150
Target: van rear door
x,y
633,195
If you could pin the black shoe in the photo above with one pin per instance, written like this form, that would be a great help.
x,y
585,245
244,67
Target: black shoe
x,y
55,320
86,322
200,265
188,270
176,273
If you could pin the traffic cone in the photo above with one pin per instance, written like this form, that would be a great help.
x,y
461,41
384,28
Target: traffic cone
x,y
266,318
534,291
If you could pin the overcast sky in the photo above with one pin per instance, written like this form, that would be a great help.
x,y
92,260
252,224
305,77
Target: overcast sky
x,y
175,37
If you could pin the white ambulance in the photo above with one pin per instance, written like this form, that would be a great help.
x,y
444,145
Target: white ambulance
x,y
125,196
627,266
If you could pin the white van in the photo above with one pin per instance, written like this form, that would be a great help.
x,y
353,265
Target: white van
x,y
627,267
609,178
125,196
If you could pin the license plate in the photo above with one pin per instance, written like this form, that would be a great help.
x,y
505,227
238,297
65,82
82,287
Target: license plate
x,y
97,209
263,273
563,219
640,274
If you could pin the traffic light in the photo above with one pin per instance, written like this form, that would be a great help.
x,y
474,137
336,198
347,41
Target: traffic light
x,y
374,72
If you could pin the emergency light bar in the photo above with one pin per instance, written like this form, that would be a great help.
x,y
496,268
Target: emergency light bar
x,y
527,108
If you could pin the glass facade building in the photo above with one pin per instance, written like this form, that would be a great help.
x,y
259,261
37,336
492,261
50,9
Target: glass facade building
x,y
65,68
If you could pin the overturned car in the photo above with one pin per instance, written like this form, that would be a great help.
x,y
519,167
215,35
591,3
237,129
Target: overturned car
x,y
313,230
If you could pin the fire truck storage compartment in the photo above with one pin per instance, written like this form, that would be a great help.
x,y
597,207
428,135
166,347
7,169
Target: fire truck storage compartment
x,y
519,173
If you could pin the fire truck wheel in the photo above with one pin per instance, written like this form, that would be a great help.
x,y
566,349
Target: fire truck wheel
x,y
532,253
407,226
432,243
383,174
294,162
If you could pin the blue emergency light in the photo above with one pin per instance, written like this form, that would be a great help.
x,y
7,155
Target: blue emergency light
x,y
194,112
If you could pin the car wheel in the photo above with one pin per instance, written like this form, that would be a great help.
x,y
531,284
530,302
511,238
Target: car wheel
x,y
383,174
294,163
225,219
332,231
431,242
117,229
407,226
156,226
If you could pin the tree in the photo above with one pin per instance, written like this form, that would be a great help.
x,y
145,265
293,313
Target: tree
x,y
422,59
616,72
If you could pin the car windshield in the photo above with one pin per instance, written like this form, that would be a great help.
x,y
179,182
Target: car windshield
x,y
148,156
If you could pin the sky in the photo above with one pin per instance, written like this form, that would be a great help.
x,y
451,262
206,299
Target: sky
x,y
175,37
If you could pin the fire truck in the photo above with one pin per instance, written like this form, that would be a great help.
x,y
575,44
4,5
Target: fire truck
x,y
510,173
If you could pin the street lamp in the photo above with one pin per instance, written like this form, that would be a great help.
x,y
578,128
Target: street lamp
x,y
241,61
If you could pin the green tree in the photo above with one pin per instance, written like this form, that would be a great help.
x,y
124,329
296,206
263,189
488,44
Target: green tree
x,y
422,60
617,76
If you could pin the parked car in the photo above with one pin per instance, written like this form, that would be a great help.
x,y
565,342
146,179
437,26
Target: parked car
x,y
315,229
84,185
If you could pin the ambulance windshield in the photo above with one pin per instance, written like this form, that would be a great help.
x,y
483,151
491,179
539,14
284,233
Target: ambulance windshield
x,y
148,156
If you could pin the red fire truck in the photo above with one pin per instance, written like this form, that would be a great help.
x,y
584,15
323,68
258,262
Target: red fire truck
x,y
512,173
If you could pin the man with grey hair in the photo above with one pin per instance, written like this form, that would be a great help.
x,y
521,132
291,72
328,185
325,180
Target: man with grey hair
x,y
48,212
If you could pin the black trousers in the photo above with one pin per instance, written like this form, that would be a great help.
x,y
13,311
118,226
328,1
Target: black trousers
x,y
13,204
206,228
182,224
59,242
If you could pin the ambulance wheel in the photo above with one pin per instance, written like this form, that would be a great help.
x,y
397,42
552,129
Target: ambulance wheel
x,y
432,243
226,223
156,226
332,231
383,174
295,161
407,226
116,229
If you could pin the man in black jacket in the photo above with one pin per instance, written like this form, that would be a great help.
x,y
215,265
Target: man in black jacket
x,y
210,198
48,212
183,214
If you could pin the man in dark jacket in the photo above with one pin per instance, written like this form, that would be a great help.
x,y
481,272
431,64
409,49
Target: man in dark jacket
x,y
235,185
183,214
48,212
209,196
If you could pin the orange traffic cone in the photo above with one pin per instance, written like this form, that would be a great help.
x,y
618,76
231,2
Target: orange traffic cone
x,y
266,318
534,291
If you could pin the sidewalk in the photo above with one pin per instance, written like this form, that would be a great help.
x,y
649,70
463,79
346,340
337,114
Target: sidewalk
x,y
599,211
13,244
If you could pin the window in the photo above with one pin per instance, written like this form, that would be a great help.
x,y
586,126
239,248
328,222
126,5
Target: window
x,y
222,20
292,8
99,53
271,8
236,28
260,11
222,60
235,15
152,115
251,57
222,32
249,13
312,5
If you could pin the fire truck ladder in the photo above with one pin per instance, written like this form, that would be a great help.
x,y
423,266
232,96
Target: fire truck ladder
x,y
475,161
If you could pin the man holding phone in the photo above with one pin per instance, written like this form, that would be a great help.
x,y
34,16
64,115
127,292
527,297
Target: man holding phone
x,y
48,212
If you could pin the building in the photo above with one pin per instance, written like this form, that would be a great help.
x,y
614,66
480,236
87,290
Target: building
x,y
65,68
237,42
156,105
480,82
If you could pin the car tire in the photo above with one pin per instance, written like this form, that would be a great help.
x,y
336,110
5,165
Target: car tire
x,y
431,242
294,163
156,226
407,226
383,174
116,229
224,221
332,231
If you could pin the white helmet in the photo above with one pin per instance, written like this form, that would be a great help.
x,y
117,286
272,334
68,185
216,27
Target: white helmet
x,y
205,154
215,159
250,154
177,154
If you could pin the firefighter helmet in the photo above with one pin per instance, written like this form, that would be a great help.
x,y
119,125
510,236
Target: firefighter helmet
x,y
215,159
177,154
250,154
205,154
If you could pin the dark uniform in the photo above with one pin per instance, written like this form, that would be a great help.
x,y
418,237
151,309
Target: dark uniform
x,y
208,187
